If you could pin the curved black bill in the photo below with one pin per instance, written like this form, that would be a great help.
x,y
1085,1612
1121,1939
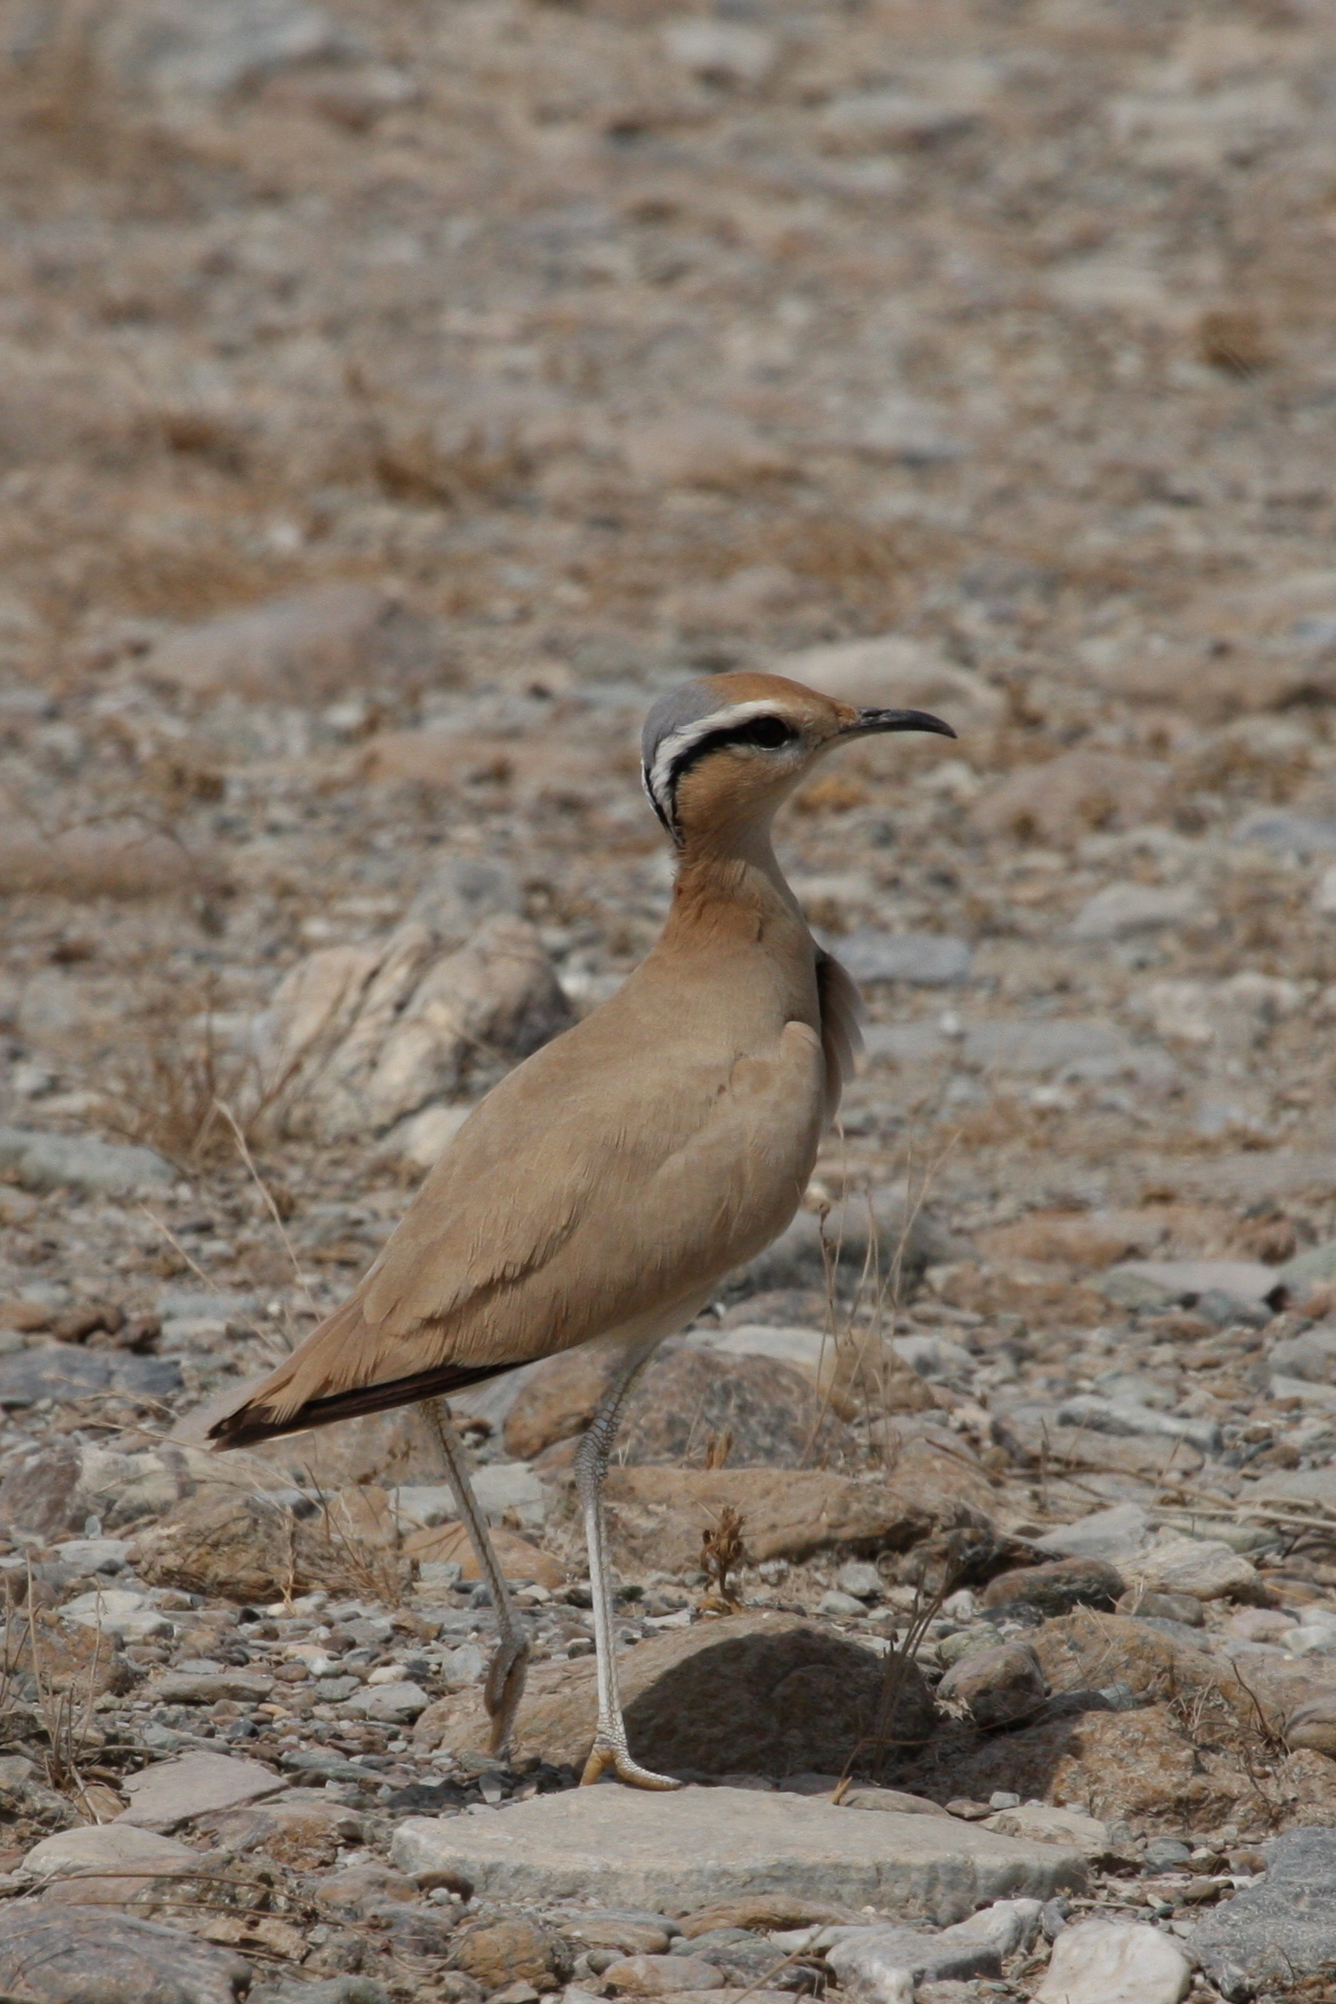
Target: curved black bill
x,y
870,721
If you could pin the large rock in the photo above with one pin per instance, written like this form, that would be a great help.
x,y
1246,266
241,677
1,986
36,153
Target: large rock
x,y
54,1490
657,1516
1086,1651
1067,797
74,1955
110,859
528,773
923,959
391,1449
1205,1568
883,1231
255,1544
1056,1588
763,1693
357,1039
621,1847
297,649
748,1381
1271,1936
1122,911
690,1396
81,1162
450,1544
461,892
559,1397
1138,1765
996,1687
1109,1962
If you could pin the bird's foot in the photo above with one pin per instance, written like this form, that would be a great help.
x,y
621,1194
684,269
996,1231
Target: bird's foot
x,y
607,1752
505,1687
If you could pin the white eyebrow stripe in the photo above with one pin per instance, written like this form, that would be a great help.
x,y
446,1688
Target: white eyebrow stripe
x,y
671,748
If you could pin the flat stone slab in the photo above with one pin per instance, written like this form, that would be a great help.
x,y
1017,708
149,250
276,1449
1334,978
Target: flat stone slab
x,y
107,1847
626,1847
73,1954
176,1791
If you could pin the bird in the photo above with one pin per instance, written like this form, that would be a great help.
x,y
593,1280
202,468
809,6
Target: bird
x,y
607,1185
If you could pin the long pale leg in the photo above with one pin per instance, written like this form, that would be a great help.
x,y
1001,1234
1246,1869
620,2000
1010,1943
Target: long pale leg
x,y
591,1465
507,1670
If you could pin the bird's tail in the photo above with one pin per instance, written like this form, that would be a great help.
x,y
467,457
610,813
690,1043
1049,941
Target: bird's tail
x,y
321,1383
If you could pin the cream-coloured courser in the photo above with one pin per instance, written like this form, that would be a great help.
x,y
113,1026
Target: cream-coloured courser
x,y
608,1185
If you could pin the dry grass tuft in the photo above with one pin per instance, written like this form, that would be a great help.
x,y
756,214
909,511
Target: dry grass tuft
x,y
181,1088
722,1550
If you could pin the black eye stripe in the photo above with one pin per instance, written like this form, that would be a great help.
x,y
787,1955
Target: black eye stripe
x,y
768,732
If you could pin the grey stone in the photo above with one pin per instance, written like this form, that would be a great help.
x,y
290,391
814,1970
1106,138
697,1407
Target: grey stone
x,y
1206,1568
740,1956
510,1485
1131,1290
1272,1935
865,1959
859,1578
998,1686
177,1791
1125,1416
1121,911
1321,1396
213,51
1043,1824
1066,1047
85,1955
333,1990
839,1604
1298,1485
803,1347
1293,834
396,1704
900,1231
125,1612
211,1304
728,52
81,1162
623,1847
936,1357
212,1686
1104,1534
1310,1355
1306,1271
461,892
1110,1962
924,959
93,1555
1166,1854
1070,1046
1185,1280
62,1371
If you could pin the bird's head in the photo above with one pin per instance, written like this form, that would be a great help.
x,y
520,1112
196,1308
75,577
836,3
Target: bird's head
x,y
725,751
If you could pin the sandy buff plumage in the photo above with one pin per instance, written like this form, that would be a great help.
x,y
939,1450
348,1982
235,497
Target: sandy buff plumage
x,y
606,1187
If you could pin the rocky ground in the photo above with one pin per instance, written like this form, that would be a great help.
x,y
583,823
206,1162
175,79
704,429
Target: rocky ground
x,y
395,399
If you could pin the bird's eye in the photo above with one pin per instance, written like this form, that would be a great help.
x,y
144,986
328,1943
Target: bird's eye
x,y
768,732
